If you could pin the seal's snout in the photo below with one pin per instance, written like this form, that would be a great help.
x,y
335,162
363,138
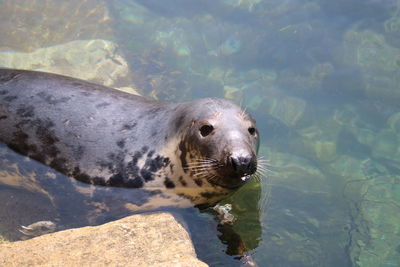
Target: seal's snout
x,y
243,164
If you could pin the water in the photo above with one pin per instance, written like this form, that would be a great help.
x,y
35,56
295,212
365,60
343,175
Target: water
x,y
321,77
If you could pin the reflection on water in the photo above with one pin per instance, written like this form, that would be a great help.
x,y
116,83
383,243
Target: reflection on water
x,y
321,77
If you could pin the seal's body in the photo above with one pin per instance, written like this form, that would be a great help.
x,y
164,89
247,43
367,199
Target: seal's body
x,y
200,150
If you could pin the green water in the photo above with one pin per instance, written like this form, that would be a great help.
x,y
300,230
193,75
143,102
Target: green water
x,y
321,77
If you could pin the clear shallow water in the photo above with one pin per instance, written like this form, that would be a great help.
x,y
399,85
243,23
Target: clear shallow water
x,y
322,79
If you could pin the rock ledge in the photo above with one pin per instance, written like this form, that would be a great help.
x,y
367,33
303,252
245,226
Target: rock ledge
x,y
139,240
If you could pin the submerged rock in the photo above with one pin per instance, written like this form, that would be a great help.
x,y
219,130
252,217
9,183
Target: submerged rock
x,y
394,122
392,29
377,216
139,240
38,23
378,62
303,210
386,145
93,60
297,173
287,109
319,142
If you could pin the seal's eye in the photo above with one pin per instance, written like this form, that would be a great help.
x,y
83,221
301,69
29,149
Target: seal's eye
x,y
252,131
206,130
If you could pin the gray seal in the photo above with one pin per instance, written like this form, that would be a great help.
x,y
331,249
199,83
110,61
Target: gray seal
x,y
200,150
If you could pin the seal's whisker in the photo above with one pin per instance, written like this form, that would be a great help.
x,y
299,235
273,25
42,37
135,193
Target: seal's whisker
x,y
263,168
198,170
212,178
206,176
243,112
261,165
257,178
201,172
209,158
206,158
205,167
263,161
261,172
197,175
201,166
258,175
199,163
203,161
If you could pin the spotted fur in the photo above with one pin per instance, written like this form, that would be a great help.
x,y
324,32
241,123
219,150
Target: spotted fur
x,y
106,137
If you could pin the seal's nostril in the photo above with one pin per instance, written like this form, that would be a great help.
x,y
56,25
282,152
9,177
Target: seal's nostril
x,y
234,163
241,164
246,161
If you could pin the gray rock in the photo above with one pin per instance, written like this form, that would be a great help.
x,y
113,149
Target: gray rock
x,y
139,240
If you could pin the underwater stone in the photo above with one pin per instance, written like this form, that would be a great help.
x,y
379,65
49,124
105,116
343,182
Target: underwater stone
x,y
380,209
377,61
93,60
298,171
386,145
322,70
370,51
346,116
294,220
383,88
392,29
364,136
246,4
394,122
325,150
287,109
320,141
131,12
28,25
233,92
348,168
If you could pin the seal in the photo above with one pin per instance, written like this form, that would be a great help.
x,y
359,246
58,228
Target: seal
x,y
200,150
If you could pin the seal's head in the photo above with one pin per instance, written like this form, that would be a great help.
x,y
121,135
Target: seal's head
x,y
219,144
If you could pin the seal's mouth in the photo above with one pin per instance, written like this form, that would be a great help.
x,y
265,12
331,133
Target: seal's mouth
x,y
229,175
231,182
245,178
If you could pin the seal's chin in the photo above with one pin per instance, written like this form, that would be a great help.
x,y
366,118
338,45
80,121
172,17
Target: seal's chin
x,y
231,182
